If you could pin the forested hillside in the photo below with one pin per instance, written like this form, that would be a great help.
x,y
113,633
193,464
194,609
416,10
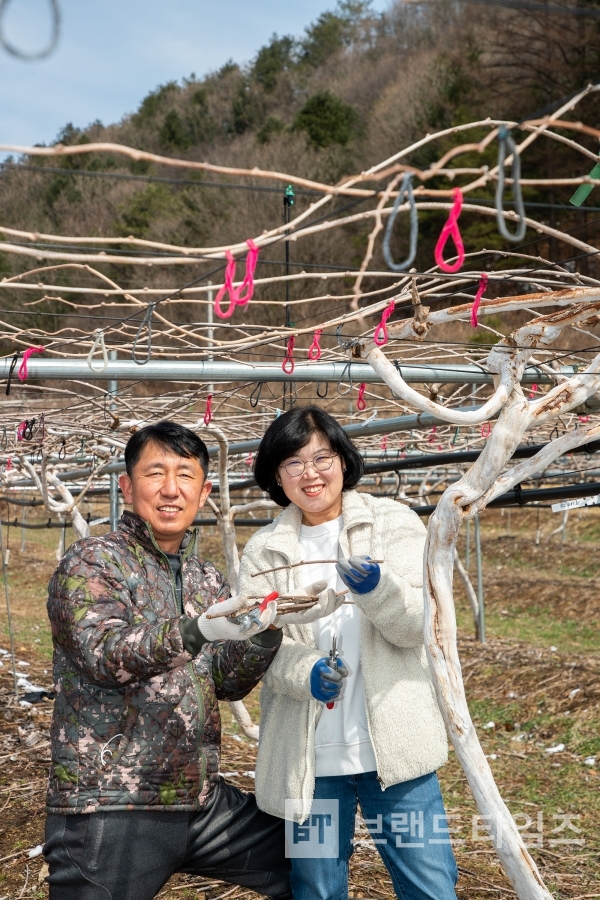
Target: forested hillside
x,y
347,93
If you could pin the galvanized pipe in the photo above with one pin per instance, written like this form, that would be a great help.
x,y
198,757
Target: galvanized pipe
x,y
210,372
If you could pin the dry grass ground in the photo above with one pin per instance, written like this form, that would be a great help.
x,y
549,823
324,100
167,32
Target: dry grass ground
x,y
538,597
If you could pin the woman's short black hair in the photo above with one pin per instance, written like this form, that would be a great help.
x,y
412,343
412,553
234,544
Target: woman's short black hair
x,y
177,438
292,431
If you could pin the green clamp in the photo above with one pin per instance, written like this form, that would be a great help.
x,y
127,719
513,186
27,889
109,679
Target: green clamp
x,y
584,190
290,196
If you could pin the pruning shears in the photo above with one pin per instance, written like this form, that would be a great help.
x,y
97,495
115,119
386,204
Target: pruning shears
x,y
332,662
247,619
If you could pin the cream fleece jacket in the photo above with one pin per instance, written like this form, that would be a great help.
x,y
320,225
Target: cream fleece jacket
x,y
405,724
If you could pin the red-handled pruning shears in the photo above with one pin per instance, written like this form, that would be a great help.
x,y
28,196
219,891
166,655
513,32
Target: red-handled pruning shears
x,y
248,619
272,596
332,662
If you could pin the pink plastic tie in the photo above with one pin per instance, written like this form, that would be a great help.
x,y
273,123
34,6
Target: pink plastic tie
x,y
227,288
9,464
360,400
486,429
383,443
380,336
314,351
237,297
432,434
247,284
480,292
21,430
584,419
451,229
533,391
208,412
288,364
26,355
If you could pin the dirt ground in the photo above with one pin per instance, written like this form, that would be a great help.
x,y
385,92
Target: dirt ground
x,y
533,690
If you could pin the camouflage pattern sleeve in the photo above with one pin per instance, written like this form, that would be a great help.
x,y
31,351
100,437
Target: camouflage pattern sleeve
x,y
238,666
110,640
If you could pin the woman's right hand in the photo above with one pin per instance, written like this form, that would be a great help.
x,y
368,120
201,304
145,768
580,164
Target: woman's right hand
x,y
325,683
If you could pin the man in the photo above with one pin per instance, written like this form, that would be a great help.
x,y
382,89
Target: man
x,y
135,793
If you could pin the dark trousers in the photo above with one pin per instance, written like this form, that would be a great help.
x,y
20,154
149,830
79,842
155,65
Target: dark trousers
x,y
129,855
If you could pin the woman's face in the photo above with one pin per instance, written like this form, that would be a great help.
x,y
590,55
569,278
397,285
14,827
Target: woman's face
x,y
317,493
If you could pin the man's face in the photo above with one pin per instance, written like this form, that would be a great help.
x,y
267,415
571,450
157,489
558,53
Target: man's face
x,y
167,491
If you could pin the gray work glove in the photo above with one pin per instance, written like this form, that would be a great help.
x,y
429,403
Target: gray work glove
x,y
328,603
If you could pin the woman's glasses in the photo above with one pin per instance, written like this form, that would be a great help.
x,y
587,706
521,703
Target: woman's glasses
x,y
321,462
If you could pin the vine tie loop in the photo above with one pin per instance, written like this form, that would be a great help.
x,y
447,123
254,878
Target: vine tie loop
x,y
360,400
13,363
145,323
208,414
26,355
288,365
451,229
226,288
380,335
255,395
237,296
347,368
405,193
241,299
98,344
506,142
314,351
481,288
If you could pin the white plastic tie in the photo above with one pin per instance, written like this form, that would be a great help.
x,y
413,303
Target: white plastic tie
x,y
98,345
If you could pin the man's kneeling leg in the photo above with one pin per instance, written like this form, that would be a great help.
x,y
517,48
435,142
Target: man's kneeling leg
x,y
233,840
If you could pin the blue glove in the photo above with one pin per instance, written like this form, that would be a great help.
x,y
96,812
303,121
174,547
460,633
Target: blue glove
x,y
326,683
360,575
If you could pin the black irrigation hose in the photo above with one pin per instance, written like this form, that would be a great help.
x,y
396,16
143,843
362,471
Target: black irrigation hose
x,y
519,497
429,460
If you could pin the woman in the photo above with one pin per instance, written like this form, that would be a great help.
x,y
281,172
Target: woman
x,y
380,744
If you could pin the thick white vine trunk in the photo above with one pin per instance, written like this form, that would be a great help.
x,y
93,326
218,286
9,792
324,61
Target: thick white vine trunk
x,y
442,652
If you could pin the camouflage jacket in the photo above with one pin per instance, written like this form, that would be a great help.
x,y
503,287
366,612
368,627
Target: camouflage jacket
x,y
136,721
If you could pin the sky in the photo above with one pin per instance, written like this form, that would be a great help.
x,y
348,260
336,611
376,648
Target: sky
x,y
111,53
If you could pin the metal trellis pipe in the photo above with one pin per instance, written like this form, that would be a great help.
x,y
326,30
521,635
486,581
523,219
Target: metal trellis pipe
x,y
210,372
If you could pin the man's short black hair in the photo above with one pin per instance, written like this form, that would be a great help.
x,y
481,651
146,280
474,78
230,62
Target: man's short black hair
x,y
177,438
292,431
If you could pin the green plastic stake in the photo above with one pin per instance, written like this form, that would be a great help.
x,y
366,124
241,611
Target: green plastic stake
x,y
584,190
